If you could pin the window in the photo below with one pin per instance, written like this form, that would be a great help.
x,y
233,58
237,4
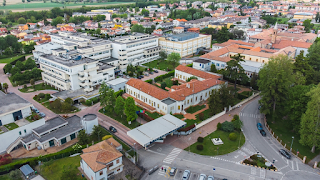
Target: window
x,y
25,131
250,59
196,98
118,161
188,101
178,107
263,61
257,60
101,173
19,132
158,105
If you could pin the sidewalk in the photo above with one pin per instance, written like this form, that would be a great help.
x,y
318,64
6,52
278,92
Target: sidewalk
x,y
193,115
183,142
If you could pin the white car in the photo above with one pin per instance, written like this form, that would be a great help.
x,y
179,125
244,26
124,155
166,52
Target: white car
x,y
202,177
210,178
186,175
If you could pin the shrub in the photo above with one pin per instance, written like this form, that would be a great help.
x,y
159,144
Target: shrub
x,y
200,147
200,139
254,157
25,86
106,137
41,95
235,117
233,136
118,93
219,125
175,82
201,116
47,96
227,126
163,85
88,102
16,174
149,81
190,65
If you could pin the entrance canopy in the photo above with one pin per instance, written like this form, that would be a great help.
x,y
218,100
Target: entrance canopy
x,y
156,129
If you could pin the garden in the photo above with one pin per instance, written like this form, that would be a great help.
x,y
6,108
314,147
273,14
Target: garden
x,y
41,97
228,132
193,109
56,106
161,64
37,87
11,126
258,160
33,117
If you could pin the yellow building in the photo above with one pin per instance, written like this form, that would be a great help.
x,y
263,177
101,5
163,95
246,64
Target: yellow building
x,y
218,25
185,43
303,15
23,27
102,10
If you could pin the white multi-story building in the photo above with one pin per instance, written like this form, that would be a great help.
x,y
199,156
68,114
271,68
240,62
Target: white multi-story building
x,y
178,98
72,61
184,43
102,160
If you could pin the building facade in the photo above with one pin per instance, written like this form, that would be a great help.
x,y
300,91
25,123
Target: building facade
x,y
184,43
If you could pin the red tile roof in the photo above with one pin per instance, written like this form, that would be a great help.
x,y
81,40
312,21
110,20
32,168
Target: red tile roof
x,y
196,72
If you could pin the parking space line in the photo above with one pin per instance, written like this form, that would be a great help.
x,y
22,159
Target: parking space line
x,y
297,165
262,173
253,171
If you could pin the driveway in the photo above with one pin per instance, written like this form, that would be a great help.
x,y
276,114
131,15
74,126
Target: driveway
x,y
151,76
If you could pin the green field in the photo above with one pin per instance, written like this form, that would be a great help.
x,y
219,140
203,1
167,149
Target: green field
x,y
52,5
210,149
10,59
38,87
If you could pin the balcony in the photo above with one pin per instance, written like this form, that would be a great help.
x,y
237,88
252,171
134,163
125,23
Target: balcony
x,y
83,84
82,78
81,73
88,89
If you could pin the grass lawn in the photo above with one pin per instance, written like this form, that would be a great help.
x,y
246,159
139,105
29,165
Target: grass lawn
x,y
283,20
42,100
57,111
191,122
193,109
206,115
54,171
29,118
211,150
10,59
11,126
38,87
180,116
280,129
154,115
122,120
160,64
52,5
5,177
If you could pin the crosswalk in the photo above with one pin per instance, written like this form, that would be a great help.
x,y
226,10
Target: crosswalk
x,y
251,115
255,171
173,154
163,172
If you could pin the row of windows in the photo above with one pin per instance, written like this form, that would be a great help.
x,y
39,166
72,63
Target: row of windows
x,y
139,44
54,65
96,54
51,70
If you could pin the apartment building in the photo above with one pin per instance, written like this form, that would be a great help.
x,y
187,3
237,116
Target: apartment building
x,y
185,43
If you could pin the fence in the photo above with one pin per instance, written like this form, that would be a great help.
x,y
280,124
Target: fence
x,y
210,119
244,101
297,155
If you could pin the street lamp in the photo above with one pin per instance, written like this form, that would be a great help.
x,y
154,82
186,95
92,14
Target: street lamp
x,y
291,143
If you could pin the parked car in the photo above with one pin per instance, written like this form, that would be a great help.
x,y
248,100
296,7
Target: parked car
x,y
139,77
153,170
42,114
186,175
173,171
259,126
146,74
263,133
202,177
142,76
150,72
259,107
156,71
285,153
112,129
210,178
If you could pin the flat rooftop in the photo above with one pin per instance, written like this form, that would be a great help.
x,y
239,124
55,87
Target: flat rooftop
x,y
50,124
117,81
11,102
68,62
156,129
168,101
75,94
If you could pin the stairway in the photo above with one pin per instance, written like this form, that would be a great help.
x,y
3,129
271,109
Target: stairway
x,y
13,144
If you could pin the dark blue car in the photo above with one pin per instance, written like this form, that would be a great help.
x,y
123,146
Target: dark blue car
x,y
259,126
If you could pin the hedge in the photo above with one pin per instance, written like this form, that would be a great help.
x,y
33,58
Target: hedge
x,y
58,155
22,58
146,117
148,81
118,93
161,77
190,65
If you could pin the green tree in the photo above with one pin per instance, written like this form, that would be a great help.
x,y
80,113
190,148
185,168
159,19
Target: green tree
x,y
163,55
313,56
317,17
16,174
30,64
83,137
310,121
215,102
29,48
254,81
96,132
15,70
145,12
98,31
163,85
130,109
8,51
190,78
119,106
224,35
235,71
5,87
174,59
275,79
57,20
301,65
307,25
7,68
22,20
107,98
32,82
20,65
213,68
137,28
136,10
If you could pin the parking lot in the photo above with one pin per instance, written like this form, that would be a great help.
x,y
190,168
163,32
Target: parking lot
x,y
164,174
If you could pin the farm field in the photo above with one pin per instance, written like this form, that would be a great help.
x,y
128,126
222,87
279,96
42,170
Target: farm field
x,y
49,5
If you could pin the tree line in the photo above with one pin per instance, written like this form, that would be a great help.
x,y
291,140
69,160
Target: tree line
x,y
290,91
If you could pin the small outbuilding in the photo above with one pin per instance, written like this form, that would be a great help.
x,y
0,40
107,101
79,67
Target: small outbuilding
x,y
117,84
27,171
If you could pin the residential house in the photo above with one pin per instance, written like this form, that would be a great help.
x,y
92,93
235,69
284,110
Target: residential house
x,y
23,27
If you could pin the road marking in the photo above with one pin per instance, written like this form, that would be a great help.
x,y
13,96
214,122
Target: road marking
x,y
292,165
297,165
251,178
262,173
173,154
282,167
163,172
253,171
